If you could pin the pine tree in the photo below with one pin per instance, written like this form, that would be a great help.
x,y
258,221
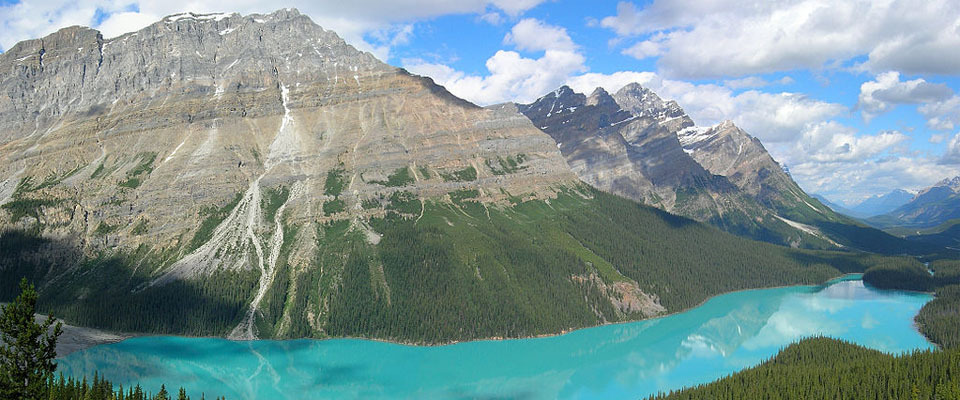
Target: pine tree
x,y
162,394
27,348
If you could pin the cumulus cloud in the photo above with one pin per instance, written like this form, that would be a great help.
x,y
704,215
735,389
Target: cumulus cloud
x,y
511,76
533,35
352,20
751,82
942,115
886,91
952,154
645,49
736,38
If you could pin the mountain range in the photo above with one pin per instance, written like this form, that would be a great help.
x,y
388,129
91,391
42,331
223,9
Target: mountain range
x,y
872,206
257,177
636,145
932,206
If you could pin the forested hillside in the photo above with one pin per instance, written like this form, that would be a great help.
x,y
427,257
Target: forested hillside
x,y
440,271
824,368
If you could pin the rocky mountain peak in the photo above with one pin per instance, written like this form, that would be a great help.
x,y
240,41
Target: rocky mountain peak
x,y
644,103
951,183
147,132
600,97
76,71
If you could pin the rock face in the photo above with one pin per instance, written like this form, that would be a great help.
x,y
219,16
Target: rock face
x,y
636,145
215,105
187,139
639,146
728,151
627,144
930,207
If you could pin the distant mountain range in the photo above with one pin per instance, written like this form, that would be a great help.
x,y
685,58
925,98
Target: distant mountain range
x,y
872,206
932,206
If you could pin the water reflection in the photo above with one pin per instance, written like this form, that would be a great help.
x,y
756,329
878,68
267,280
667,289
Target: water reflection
x,y
724,335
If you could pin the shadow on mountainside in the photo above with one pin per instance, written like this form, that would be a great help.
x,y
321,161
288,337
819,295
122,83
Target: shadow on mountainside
x,y
111,292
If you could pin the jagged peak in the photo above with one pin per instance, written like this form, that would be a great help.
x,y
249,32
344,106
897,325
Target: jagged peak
x,y
562,97
563,90
726,124
952,183
637,90
599,96
644,102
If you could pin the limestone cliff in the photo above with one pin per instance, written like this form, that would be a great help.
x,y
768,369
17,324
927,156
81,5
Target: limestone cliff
x,y
196,140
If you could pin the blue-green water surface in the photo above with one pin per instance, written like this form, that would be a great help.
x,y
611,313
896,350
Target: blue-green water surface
x,y
626,361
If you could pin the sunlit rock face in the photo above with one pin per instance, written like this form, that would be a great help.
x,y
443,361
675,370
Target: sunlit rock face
x,y
133,141
627,143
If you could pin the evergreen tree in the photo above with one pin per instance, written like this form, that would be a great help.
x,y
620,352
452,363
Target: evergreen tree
x,y
162,394
27,348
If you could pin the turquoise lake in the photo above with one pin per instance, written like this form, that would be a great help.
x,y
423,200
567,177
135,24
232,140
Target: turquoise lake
x,y
626,361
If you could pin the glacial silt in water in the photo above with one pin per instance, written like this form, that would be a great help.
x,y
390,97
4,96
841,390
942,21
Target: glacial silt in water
x,y
627,361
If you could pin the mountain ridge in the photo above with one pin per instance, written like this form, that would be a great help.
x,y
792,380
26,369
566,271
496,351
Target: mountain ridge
x,y
719,174
930,207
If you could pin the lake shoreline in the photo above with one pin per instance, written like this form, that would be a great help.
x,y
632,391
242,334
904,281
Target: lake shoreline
x,y
108,337
723,336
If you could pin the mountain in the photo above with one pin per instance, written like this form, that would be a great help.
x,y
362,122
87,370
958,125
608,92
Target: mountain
x,y
636,145
930,207
257,177
833,206
881,204
627,144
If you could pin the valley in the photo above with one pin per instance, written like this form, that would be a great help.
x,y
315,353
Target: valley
x,y
251,206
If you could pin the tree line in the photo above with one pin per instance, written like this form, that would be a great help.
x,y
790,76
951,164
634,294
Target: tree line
x,y
27,352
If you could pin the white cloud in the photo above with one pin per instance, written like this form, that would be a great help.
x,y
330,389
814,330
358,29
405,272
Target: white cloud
x,y
511,77
942,115
755,82
830,141
937,138
644,49
533,35
734,38
352,20
886,91
127,21
850,182
492,18
952,154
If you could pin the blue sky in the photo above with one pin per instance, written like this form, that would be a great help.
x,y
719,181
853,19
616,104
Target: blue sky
x,y
856,97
